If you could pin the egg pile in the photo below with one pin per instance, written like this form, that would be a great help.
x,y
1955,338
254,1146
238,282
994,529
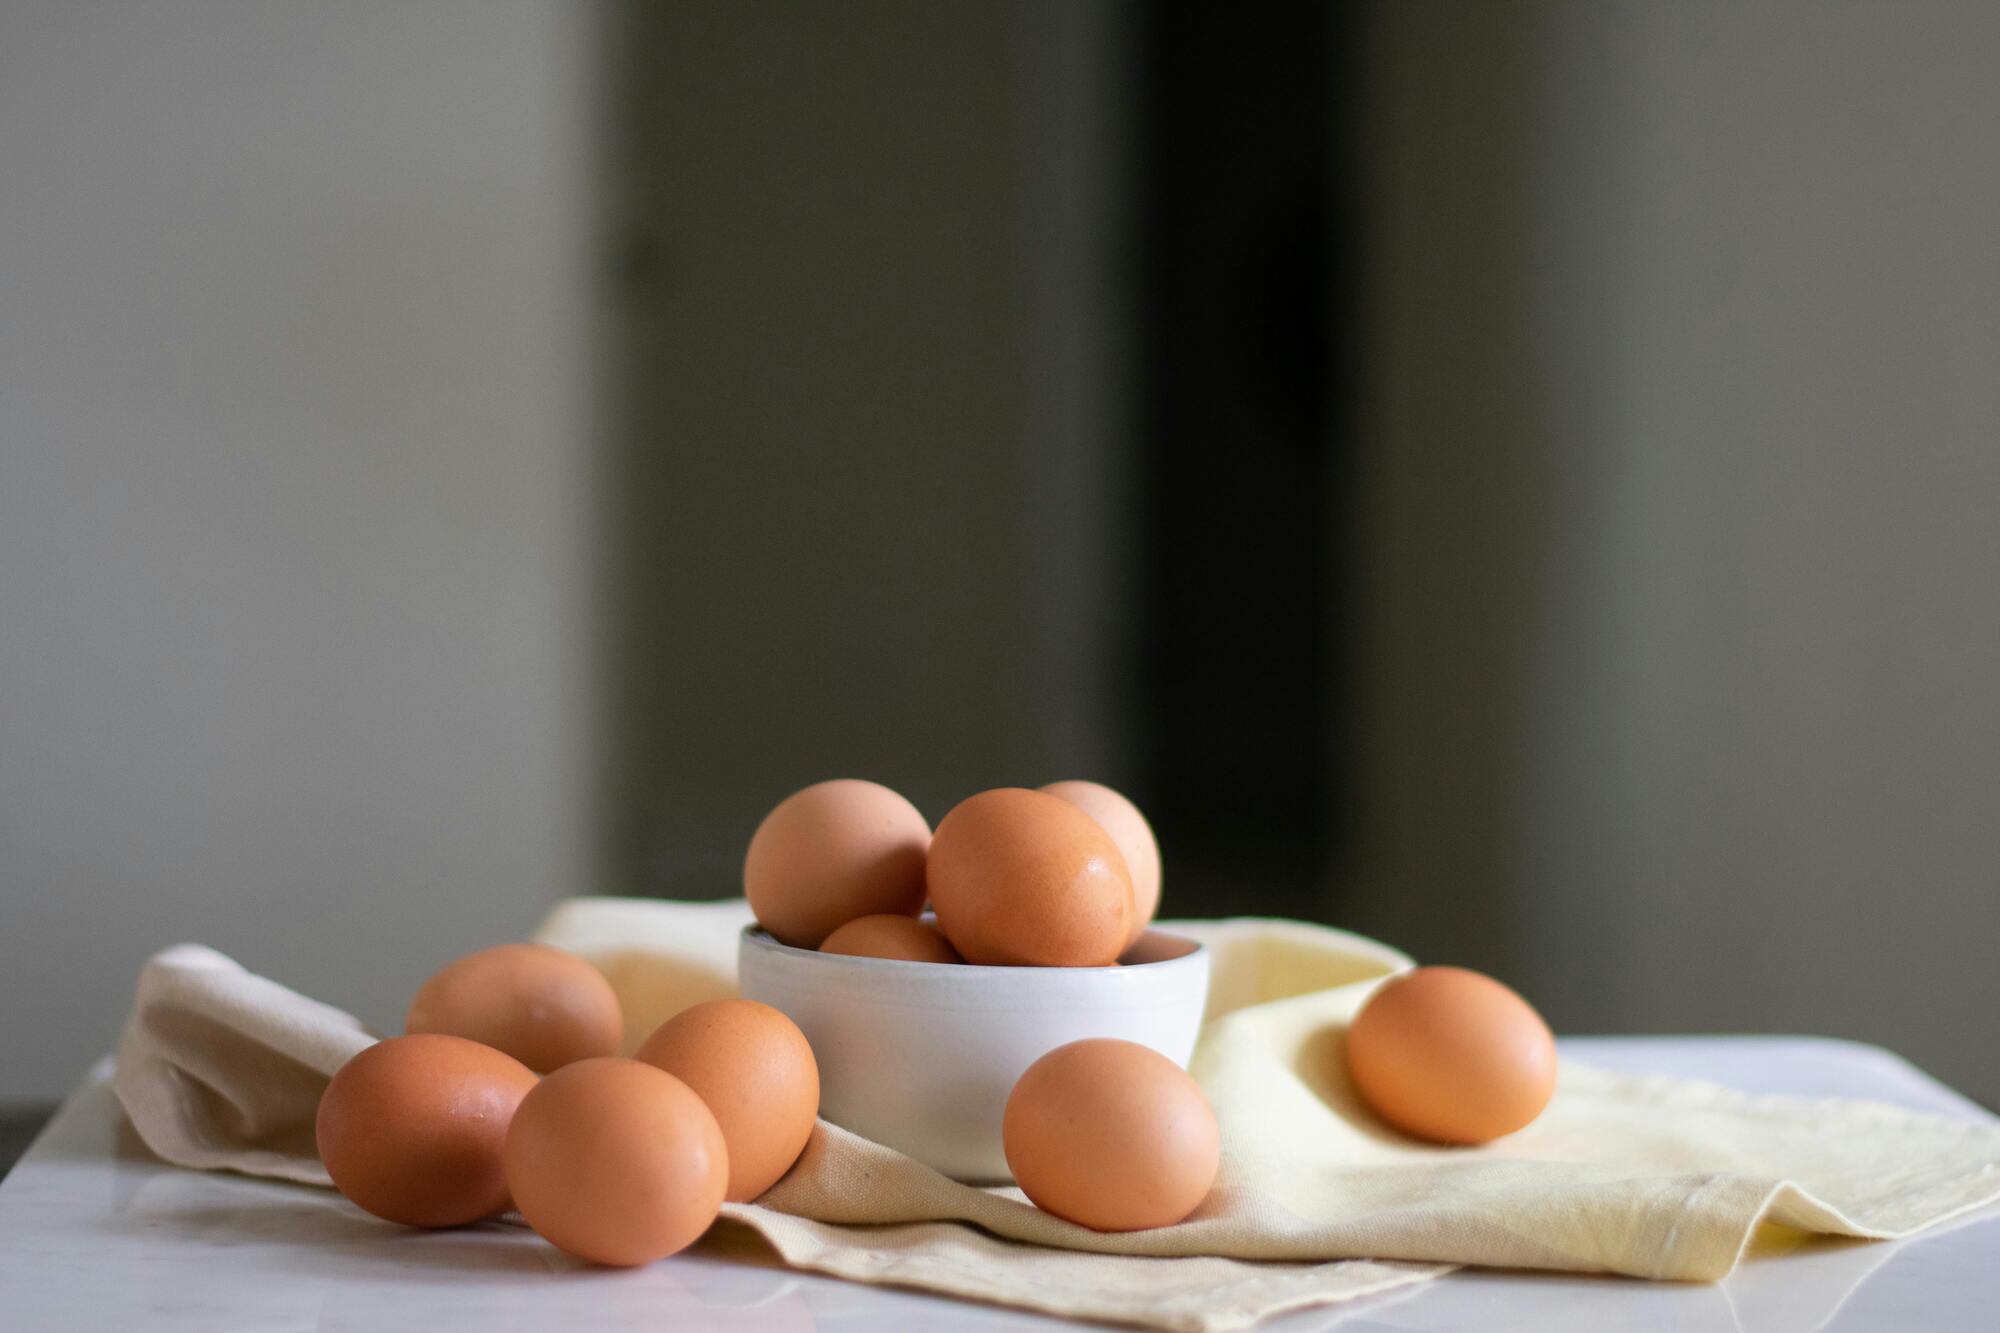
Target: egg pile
x,y
1064,876
506,1092
1107,1134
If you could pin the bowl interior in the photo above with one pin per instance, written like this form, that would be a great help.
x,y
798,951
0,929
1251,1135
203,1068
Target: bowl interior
x,y
1157,946
1153,946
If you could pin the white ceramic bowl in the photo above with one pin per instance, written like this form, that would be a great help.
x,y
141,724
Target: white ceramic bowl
x,y
921,1056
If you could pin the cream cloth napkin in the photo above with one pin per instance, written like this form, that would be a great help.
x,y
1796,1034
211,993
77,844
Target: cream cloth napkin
x,y
1316,1201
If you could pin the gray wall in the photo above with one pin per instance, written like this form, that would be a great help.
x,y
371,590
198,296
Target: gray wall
x,y
458,455
1682,552
325,475
293,489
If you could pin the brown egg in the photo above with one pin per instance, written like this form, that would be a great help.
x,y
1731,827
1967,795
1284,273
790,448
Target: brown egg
x,y
756,1071
411,1128
1021,877
616,1162
542,1006
1111,1135
1128,828
833,852
904,937
1451,1055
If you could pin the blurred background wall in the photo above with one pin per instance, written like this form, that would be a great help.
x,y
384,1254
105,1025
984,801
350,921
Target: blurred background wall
x,y
1679,542
1512,478
295,460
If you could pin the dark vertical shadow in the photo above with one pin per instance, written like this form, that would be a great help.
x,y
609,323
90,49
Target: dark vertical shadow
x,y
626,277
1241,239
1456,480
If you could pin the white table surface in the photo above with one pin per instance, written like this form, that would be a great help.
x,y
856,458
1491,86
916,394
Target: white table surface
x,y
97,1234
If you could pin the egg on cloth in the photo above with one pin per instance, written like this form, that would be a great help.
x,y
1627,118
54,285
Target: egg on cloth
x,y
412,1128
543,1006
616,1162
1117,816
1023,878
755,1071
833,852
1111,1135
1451,1055
908,938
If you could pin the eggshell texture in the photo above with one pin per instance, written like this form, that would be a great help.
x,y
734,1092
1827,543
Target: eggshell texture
x,y
1128,828
1111,1135
1452,1056
412,1128
542,1006
755,1070
1021,877
833,852
616,1162
904,937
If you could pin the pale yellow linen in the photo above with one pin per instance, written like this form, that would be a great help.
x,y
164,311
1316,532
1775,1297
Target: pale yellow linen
x,y
1653,1177
222,1069
1316,1202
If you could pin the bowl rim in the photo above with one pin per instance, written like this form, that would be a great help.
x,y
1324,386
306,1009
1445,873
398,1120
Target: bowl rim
x,y
755,936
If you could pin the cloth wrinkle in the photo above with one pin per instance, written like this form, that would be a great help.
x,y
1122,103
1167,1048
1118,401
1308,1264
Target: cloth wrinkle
x,y
1317,1201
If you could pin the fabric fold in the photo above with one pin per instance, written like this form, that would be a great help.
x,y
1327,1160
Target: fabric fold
x,y
1317,1201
